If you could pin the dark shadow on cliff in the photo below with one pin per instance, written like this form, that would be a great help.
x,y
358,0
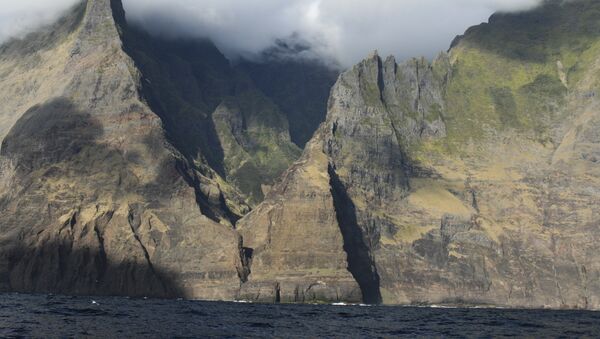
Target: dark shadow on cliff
x,y
60,165
59,268
299,87
48,134
49,142
58,137
360,263
185,80
540,34
183,83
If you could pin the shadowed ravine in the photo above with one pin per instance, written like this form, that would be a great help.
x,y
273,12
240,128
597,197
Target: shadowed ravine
x,y
360,263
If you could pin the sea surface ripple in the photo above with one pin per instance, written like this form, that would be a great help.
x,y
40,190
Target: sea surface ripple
x,y
43,316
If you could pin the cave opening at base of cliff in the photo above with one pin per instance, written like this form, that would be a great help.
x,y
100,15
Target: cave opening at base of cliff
x,y
360,263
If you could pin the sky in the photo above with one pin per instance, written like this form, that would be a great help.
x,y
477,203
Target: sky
x,y
344,31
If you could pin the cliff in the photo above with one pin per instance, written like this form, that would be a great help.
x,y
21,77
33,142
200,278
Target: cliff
x,y
472,179
127,159
134,165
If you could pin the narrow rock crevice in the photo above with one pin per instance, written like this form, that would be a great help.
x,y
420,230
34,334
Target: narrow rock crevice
x,y
360,262
405,165
246,256
66,247
474,202
419,89
102,261
381,81
277,293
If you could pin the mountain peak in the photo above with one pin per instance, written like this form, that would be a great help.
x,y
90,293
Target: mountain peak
x,y
105,8
100,26
538,34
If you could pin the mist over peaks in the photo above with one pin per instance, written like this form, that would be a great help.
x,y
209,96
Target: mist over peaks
x,y
338,31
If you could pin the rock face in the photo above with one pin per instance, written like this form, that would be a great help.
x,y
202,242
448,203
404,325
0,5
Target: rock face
x,y
295,240
213,112
94,198
472,179
126,160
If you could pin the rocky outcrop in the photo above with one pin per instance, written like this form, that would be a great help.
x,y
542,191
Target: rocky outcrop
x,y
127,159
458,181
96,199
297,249
314,195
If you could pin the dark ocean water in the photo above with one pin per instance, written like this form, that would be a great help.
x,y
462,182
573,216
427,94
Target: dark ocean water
x,y
59,316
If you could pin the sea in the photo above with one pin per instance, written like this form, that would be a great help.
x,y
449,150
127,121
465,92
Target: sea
x,y
53,316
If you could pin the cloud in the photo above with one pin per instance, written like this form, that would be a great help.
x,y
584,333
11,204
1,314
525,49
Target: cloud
x,y
345,30
341,30
18,17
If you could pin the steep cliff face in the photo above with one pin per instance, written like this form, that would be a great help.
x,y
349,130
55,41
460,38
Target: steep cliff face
x,y
94,199
296,247
213,112
471,179
115,175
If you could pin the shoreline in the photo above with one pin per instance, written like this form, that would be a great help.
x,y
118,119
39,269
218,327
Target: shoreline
x,y
332,304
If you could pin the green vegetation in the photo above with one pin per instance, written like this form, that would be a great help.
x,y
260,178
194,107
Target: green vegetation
x,y
505,106
434,113
507,73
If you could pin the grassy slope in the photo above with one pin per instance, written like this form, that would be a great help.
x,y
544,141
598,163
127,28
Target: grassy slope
x,y
510,84
515,71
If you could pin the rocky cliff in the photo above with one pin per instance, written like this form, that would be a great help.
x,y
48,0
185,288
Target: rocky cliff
x,y
95,199
471,179
127,159
134,165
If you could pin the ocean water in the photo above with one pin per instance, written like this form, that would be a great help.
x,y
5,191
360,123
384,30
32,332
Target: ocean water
x,y
60,316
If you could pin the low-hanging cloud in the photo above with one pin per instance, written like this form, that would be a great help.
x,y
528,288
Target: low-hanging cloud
x,y
344,30
19,17
340,30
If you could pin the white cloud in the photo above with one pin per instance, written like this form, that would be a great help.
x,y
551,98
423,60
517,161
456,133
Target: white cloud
x,y
18,17
346,30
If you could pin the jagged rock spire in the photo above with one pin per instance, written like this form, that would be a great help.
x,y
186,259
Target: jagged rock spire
x,y
373,55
